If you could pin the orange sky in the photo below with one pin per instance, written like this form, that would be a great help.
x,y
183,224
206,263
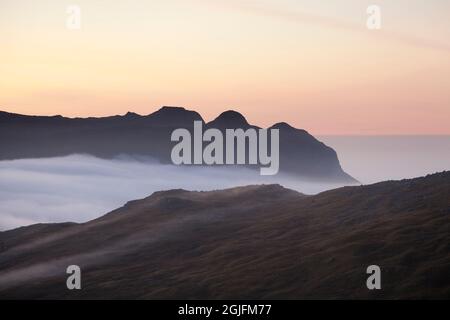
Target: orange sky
x,y
314,65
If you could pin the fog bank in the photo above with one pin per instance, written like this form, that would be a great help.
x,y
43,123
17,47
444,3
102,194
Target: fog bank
x,y
79,188
372,159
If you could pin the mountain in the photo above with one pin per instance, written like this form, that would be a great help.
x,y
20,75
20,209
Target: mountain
x,y
22,136
230,120
256,242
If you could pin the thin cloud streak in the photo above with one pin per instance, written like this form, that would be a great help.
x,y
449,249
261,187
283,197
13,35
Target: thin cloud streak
x,y
333,23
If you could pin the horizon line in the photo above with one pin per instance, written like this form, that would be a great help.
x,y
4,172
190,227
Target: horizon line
x,y
387,134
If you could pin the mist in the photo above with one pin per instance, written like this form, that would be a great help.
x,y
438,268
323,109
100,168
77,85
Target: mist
x,y
371,159
79,188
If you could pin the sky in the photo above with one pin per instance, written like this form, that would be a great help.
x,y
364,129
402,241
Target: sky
x,y
314,64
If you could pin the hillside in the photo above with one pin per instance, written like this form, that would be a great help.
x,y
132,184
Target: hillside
x,y
255,242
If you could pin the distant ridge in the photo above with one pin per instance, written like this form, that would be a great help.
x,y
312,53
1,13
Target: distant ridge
x,y
23,136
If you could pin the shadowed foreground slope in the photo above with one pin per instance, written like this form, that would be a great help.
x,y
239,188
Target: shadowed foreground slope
x,y
249,242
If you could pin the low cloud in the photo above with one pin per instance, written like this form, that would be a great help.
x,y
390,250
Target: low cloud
x,y
79,188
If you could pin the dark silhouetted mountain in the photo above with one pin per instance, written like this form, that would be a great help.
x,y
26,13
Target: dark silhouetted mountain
x,y
254,242
317,158
23,136
174,116
229,120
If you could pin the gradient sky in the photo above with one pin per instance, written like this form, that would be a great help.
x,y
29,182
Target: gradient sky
x,y
314,65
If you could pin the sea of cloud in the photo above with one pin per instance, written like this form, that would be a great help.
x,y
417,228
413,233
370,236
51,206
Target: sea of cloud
x,y
79,188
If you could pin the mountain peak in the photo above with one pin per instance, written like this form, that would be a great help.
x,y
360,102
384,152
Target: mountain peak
x,y
171,109
286,127
231,115
229,119
130,114
175,116
282,125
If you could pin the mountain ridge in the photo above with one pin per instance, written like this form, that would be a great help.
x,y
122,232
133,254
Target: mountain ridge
x,y
24,136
